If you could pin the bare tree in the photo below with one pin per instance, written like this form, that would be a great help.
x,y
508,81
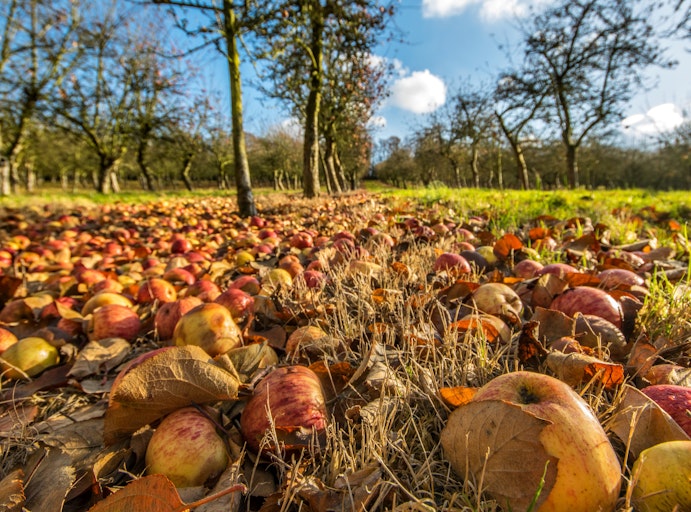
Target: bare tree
x,y
592,54
37,51
223,30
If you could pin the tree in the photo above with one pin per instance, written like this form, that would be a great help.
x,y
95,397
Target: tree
x,y
37,51
519,98
592,54
298,37
223,32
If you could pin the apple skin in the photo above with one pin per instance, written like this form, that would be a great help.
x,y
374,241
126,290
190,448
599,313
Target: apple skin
x,y
588,474
7,339
674,400
113,321
156,289
32,355
169,313
589,301
239,303
289,398
103,298
661,476
452,263
187,448
209,326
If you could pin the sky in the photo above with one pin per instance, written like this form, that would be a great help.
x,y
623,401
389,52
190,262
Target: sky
x,y
448,42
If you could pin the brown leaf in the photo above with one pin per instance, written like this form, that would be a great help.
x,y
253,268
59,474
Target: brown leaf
x,y
552,324
154,493
48,465
252,358
12,492
100,356
546,288
575,368
8,287
499,443
334,378
457,396
506,245
642,357
669,374
165,382
529,346
16,418
639,422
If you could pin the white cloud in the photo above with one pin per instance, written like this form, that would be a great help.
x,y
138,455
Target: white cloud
x,y
421,92
377,122
659,119
490,10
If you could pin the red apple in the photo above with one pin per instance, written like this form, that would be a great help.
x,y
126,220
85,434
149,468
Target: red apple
x,y
168,315
206,290
558,269
288,402
187,448
674,400
619,277
452,263
589,301
7,339
239,303
523,419
209,326
249,284
527,269
156,289
113,321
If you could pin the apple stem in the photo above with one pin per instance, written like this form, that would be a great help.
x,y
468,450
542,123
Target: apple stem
x,y
209,499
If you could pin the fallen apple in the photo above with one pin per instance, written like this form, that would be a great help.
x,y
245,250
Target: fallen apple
x,y
239,303
534,425
29,355
187,448
452,263
209,326
674,400
498,299
103,298
113,321
661,478
7,339
589,301
168,315
287,407
156,289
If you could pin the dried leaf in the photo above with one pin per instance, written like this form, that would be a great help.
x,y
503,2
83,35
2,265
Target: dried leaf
x,y
48,465
546,288
506,246
12,492
669,374
639,422
642,357
16,418
496,441
529,346
100,356
575,368
163,383
153,493
457,396
552,325
8,287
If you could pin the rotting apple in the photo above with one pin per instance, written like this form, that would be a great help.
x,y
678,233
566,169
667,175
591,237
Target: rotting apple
x,y
587,476
156,289
113,321
186,448
674,400
168,315
661,478
103,298
289,404
498,299
30,355
209,326
249,284
589,301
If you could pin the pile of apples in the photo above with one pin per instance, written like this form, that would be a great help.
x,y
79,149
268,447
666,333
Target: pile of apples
x,y
192,273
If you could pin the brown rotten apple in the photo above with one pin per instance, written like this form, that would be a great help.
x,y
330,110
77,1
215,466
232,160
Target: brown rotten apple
x,y
288,402
187,448
209,326
523,426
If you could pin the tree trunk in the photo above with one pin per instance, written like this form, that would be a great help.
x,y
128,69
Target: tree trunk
x,y
5,185
30,173
330,166
475,171
500,171
144,168
243,183
103,183
340,172
572,164
310,181
185,171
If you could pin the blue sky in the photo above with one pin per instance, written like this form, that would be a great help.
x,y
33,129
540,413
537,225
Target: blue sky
x,y
453,41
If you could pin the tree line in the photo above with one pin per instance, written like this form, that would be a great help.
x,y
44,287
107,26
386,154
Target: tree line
x,y
100,93
551,119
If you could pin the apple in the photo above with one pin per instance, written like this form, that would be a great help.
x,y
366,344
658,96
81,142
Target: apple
x,y
487,252
661,478
168,315
312,278
612,278
206,290
276,278
674,400
103,298
527,269
288,402
7,339
498,299
156,289
186,448
308,339
31,355
249,284
452,263
209,326
582,472
239,303
589,301
113,321
558,269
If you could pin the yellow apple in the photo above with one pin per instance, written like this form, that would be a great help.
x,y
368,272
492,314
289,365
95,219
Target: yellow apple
x,y
31,355
522,427
661,478
209,326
